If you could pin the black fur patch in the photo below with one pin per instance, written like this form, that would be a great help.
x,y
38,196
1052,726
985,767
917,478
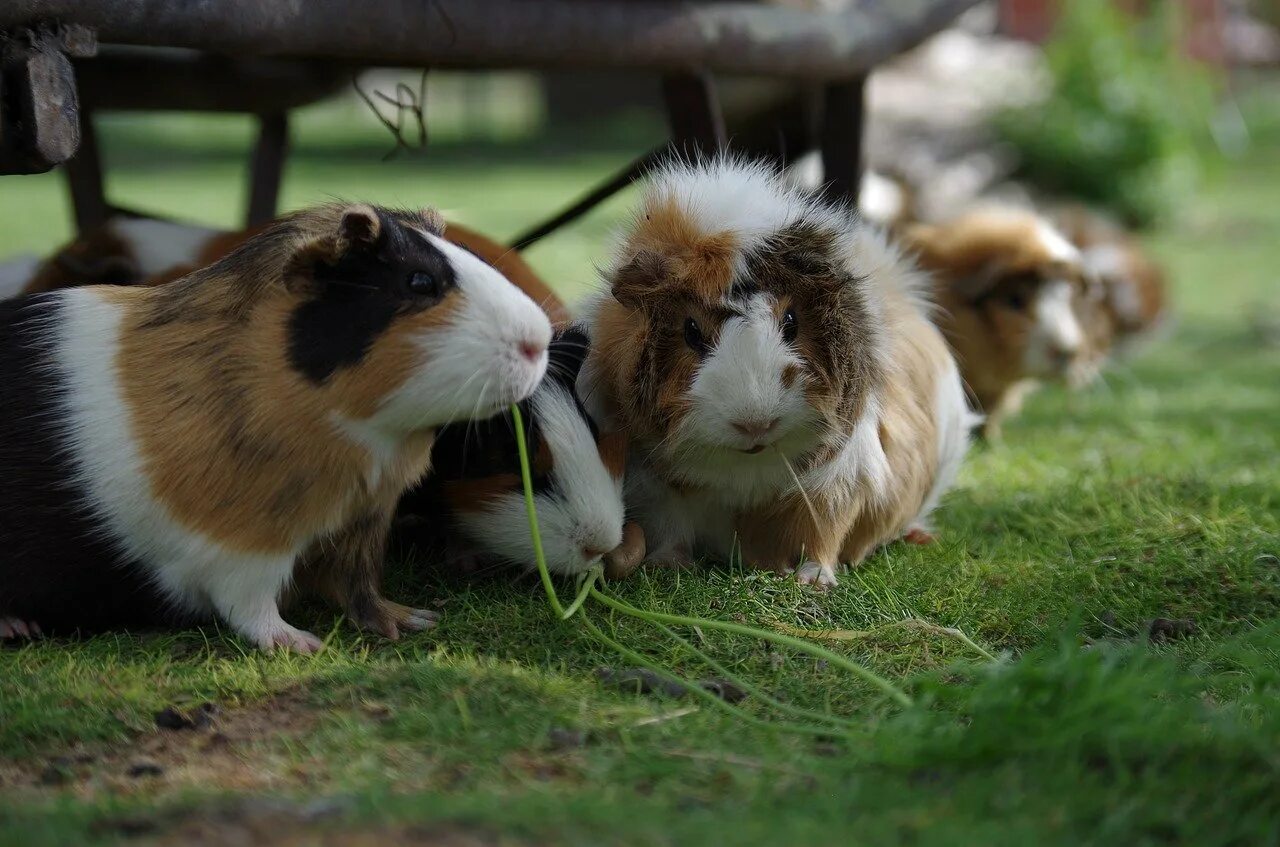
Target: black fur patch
x,y
58,568
357,297
483,449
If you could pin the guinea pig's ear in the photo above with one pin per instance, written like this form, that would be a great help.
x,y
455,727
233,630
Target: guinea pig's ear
x,y
566,354
639,279
432,220
359,229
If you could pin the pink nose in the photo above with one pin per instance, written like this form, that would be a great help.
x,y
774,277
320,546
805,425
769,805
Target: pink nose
x,y
589,552
757,429
532,350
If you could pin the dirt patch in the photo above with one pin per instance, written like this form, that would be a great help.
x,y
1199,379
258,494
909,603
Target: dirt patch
x,y
232,750
281,823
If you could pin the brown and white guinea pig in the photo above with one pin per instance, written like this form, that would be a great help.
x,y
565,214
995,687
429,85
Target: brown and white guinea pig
x,y
1012,291
749,330
1134,293
171,453
473,504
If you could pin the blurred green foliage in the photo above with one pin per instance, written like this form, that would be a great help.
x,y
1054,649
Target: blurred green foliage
x,y
1126,124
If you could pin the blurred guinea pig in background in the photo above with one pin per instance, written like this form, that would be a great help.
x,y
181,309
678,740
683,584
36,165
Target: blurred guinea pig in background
x,y
130,250
471,510
772,360
1014,297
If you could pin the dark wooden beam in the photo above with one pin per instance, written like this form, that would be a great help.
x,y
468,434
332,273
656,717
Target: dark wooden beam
x,y
266,169
84,178
841,137
693,113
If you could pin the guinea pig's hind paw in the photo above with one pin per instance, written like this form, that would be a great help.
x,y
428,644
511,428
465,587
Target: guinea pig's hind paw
x,y
818,575
388,618
919,536
17,628
291,638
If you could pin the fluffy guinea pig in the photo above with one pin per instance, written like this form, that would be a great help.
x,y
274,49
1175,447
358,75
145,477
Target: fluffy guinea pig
x,y
473,504
1134,300
772,361
206,440
1012,290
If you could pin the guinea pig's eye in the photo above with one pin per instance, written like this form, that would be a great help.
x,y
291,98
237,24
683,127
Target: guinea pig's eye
x,y
790,326
693,337
1016,300
423,284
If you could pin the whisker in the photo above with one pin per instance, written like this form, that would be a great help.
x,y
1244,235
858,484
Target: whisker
x,y
813,513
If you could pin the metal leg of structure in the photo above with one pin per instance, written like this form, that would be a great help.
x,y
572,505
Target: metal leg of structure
x,y
693,113
84,178
266,170
841,138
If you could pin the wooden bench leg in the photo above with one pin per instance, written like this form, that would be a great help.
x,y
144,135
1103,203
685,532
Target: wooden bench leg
x,y
83,173
266,170
842,119
693,113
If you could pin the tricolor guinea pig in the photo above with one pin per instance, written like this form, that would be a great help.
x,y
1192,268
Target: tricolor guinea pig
x,y
177,452
1012,291
772,361
473,503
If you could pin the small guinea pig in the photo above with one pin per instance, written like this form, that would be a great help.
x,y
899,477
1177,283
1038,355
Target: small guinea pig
x,y
1012,291
133,251
1134,299
201,443
772,361
474,499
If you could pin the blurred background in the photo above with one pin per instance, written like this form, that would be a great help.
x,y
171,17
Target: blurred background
x,y
1142,109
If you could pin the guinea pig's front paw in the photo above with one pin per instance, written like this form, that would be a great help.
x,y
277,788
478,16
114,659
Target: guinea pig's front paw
x,y
289,638
18,628
382,616
818,575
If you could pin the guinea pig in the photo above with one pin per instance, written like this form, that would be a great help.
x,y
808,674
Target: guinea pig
x,y
771,358
144,251
129,250
1012,291
1133,297
199,444
473,504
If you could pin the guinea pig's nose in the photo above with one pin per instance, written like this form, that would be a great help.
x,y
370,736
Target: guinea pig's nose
x,y
532,350
756,429
590,552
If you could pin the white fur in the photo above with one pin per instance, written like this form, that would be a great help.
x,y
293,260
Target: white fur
x,y
1056,244
194,572
472,367
160,245
954,422
741,381
1056,335
748,198
860,466
15,273
584,512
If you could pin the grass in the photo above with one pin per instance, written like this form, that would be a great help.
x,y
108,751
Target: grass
x,y
1155,496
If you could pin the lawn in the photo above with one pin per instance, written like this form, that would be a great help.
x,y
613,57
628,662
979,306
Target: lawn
x,y
1154,497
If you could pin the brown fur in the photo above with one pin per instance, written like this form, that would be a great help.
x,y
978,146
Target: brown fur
x,y
237,443
987,267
